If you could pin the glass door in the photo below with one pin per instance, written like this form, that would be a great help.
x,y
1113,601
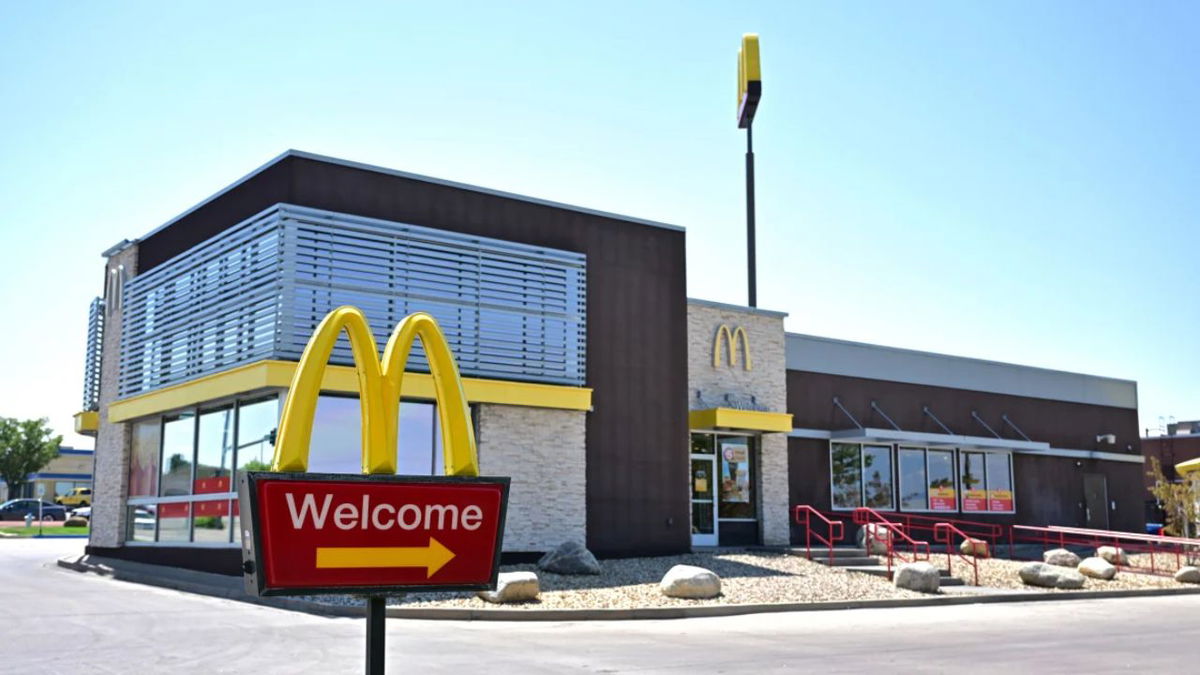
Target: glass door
x,y
703,489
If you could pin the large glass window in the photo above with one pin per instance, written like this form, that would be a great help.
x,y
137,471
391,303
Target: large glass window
x,y
256,430
877,477
999,482
737,477
179,436
974,485
914,492
143,460
214,452
845,462
942,495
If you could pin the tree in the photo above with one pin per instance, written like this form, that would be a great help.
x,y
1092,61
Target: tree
x,y
25,447
1177,499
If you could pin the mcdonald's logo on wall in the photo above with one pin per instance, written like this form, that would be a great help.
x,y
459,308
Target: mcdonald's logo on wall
x,y
378,532
731,339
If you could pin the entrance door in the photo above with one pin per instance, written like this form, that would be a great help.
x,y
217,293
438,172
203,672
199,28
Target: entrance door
x,y
704,502
1095,496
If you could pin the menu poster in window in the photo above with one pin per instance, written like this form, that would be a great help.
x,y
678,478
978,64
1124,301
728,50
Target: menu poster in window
x,y
975,500
1000,500
941,498
735,473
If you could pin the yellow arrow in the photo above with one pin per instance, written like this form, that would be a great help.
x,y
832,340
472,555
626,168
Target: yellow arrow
x,y
431,557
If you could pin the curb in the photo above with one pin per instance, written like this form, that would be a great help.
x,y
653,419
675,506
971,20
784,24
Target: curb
x,y
217,585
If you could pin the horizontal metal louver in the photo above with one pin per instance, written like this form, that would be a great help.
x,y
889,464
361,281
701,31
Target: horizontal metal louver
x,y
91,359
509,311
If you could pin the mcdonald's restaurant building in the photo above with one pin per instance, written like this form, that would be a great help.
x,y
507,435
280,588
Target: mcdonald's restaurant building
x,y
627,415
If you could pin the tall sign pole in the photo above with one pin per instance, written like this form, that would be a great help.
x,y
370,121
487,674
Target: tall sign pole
x,y
749,93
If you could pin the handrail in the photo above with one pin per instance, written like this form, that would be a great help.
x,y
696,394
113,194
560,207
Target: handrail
x,y
833,526
1183,550
949,531
865,516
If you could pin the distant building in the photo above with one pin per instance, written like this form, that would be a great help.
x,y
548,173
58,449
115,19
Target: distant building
x,y
71,469
1179,444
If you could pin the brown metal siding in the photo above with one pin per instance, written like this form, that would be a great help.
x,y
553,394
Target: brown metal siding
x,y
637,363
1062,424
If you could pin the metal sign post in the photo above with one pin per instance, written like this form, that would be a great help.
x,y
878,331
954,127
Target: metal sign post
x,y
41,492
749,93
375,533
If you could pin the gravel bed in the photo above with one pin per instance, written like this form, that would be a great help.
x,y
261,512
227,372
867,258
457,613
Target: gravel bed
x,y
746,578
998,573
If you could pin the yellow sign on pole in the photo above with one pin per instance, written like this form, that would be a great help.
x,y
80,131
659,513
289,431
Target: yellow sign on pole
x,y
749,89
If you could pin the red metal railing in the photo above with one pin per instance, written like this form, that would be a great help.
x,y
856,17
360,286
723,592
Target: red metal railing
x,y
945,532
866,517
835,528
1146,553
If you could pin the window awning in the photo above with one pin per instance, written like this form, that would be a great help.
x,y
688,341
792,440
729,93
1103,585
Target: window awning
x,y
744,420
929,440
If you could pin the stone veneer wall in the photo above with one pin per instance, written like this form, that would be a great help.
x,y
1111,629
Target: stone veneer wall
x,y
111,473
544,451
766,382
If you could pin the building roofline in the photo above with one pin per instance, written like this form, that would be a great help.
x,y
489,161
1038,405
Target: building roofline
x,y
736,308
300,154
956,357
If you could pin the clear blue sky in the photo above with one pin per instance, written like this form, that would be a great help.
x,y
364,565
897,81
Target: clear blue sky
x,y
1014,181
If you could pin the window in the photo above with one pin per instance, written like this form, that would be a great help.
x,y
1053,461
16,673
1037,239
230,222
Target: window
x,y
845,462
914,489
737,478
143,459
940,464
862,476
179,436
987,482
877,477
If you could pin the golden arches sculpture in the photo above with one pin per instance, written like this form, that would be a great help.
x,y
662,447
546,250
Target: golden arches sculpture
x,y
379,386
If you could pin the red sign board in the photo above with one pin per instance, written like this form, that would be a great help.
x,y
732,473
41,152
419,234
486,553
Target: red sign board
x,y
337,533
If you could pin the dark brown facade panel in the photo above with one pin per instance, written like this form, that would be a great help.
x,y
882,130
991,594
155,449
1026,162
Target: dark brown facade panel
x,y
1061,424
227,561
1170,450
636,328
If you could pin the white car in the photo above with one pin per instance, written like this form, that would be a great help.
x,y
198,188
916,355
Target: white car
x,y
82,512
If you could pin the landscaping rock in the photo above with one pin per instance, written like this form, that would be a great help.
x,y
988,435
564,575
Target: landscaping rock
x,y
76,521
1061,557
974,547
571,557
1050,576
878,536
1188,575
513,587
686,581
918,576
1113,555
1097,568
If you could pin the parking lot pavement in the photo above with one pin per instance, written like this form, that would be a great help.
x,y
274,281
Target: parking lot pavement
x,y
56,620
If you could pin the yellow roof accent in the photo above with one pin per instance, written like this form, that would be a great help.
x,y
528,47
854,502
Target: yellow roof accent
x,y
746,420
1188,466
87,422
269,374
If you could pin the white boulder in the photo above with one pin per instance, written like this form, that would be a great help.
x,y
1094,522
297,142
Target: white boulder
x,y
876,536
570,557
1188,575
687,581
1050,576
513,587
1061,557
1097,568
1113,555
974,547
918,576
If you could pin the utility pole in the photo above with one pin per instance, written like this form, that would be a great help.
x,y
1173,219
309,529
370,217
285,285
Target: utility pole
x,y
749,93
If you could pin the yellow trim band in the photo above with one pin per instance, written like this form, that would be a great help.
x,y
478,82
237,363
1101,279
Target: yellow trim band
x,y
747,420
1188,466
272,374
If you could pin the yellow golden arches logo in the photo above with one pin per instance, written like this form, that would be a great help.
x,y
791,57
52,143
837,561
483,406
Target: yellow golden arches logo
x,y
731,338
379,393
